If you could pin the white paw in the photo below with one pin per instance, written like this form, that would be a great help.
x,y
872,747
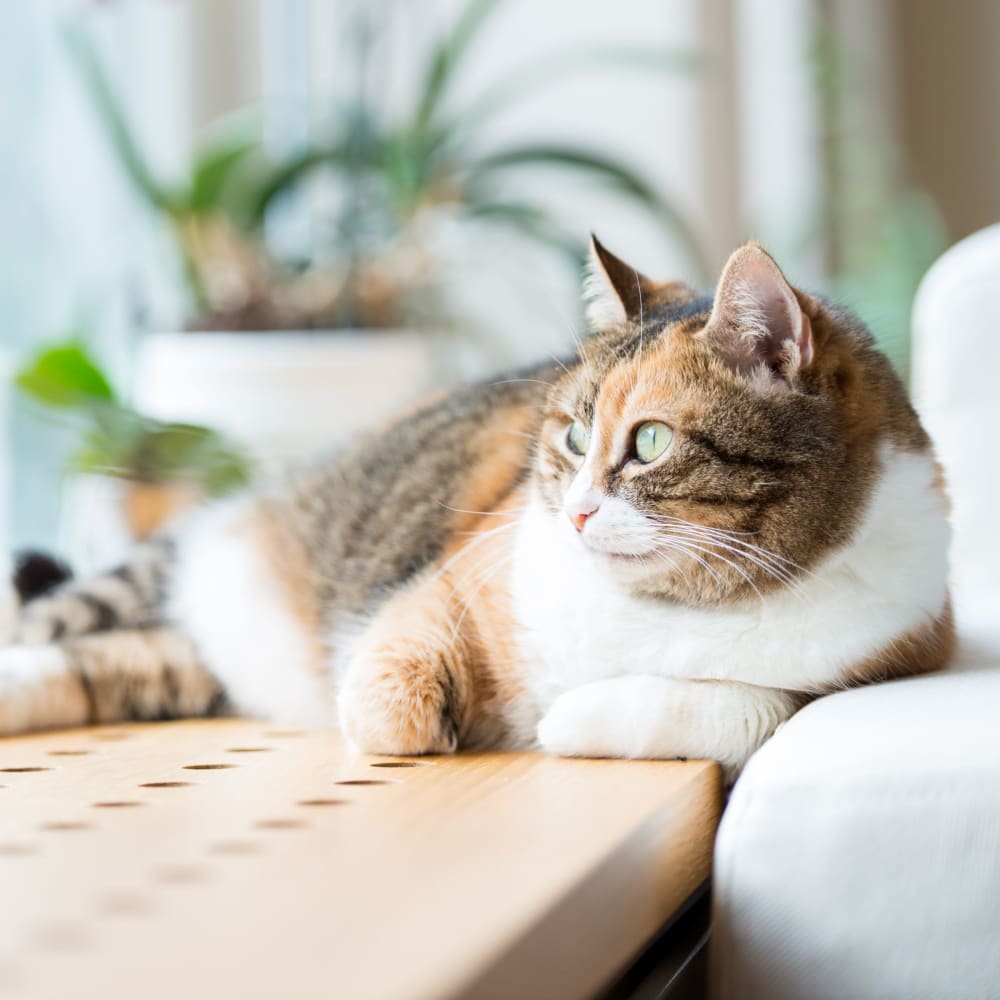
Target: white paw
x,y
580,723
32,687
8,614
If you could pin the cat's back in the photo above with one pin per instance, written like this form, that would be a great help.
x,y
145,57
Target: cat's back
x,y
384,508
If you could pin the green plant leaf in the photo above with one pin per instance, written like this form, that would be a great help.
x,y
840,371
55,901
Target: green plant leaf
x,y
531,221
191,452
214,170
65,376
113,117
448,55
610,172
882,284
285,175
527,79
125,444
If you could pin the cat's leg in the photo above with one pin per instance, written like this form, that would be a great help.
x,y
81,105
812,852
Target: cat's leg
x,y
661,717
126,675
408,682
127,597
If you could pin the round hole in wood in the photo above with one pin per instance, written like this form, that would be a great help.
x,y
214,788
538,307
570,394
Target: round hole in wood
x,y
23,770
65,826
279,824
249,749
17,850
323,802
69,753
166,784
364,781
118,804
124,903
398,763
180,874
61,936
208,767
10,978
235,847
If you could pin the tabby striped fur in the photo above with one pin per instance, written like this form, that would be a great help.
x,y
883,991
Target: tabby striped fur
x,y
426,591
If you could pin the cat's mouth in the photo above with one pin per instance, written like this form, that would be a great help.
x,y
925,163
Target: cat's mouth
x,y
613,555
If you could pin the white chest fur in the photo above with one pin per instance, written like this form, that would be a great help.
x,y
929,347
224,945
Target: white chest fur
x,y
579,625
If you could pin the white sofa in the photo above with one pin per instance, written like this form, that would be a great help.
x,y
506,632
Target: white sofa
x,y
859,856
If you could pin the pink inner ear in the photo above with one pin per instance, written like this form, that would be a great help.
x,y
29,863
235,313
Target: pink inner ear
x,y
757,318
779,320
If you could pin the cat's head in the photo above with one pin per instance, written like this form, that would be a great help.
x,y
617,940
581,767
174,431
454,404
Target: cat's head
x,y
709,450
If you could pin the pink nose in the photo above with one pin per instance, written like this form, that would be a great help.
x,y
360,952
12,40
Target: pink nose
x,y
579,517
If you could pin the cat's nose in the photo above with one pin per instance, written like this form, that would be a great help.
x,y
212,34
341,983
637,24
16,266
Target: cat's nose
x,y
579,512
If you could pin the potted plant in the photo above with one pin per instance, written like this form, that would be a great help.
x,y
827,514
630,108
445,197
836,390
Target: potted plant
x,y
399,181
129,473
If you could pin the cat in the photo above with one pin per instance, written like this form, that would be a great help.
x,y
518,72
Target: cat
x,y
718,509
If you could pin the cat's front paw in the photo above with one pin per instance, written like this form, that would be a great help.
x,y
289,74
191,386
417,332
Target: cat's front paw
x,y
580,724
35,690
398,709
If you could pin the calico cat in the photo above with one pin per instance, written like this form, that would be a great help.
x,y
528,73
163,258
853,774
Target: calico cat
x,y
661,547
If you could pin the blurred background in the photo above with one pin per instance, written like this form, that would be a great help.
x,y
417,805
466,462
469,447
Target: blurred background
x,y
235,231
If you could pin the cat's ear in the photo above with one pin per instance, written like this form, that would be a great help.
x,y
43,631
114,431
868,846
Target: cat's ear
x,y
758,323
613,290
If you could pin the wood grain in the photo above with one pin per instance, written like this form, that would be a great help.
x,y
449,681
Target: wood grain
x,y
230,859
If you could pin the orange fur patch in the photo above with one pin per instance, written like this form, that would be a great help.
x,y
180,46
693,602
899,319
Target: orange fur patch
x,y
920,651
441,667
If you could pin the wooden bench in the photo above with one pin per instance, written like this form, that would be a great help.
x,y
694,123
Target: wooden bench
x,y
232,859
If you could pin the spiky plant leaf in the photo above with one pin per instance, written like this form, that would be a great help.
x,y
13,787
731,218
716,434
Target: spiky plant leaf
x,y
612,173
448,55
213,173
113,117
528,78
529,220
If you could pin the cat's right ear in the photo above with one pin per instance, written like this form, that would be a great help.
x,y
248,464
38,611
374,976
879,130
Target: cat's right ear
x,y
615,292
758,324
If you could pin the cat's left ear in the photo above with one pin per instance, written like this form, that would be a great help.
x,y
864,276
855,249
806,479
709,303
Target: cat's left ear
x,y
615,291
758,323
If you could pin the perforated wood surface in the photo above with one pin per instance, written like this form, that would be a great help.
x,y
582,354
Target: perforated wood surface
x,y
229,859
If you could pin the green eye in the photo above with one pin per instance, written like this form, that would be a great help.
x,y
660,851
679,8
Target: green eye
x,y
578,438
651,440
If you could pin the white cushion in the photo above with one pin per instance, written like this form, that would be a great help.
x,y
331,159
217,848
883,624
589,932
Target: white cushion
x,y
956,388
859,856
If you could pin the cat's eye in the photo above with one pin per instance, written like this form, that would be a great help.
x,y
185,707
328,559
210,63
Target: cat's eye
x,y
577,438
651,440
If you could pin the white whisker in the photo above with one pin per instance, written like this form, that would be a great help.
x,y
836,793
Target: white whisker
x,y
638,360
483,581
471,547
513,381
484,513
690,547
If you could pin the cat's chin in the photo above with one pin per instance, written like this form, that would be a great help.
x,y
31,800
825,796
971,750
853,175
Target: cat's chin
x,y
636,572
621,558
624,564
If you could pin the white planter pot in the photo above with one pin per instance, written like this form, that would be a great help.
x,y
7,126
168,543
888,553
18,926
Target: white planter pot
x,y
286,396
